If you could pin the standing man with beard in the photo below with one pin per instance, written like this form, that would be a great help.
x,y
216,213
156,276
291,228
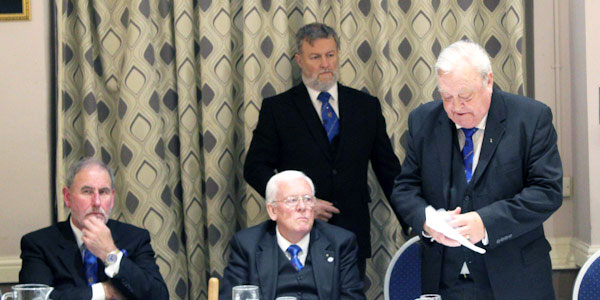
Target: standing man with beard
x,y
328,131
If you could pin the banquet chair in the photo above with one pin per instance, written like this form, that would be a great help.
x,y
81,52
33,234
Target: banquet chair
x,y
587,283
213,289
403,275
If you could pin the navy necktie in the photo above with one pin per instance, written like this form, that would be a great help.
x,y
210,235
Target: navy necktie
x,y
90,264
330,119
293,250
467,152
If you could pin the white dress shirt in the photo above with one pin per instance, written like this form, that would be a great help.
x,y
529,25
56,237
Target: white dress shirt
x,y
284,244
477,142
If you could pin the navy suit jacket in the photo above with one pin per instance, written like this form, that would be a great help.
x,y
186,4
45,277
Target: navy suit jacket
x,y
254,260
51,256
517,185
290,136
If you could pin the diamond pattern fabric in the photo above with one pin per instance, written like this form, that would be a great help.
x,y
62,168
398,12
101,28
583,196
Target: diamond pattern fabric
x,y
168,93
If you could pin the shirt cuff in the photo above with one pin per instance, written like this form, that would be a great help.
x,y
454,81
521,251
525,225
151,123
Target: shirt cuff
x,y
112,270
485,241
98,291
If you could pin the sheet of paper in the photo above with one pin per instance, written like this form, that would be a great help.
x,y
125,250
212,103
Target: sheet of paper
x,y
438,221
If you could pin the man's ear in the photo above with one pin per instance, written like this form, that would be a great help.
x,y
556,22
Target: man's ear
x,y
298,59
271,211
67,196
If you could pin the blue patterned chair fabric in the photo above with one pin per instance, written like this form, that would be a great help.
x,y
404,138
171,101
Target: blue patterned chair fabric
x,y
403,276
587,284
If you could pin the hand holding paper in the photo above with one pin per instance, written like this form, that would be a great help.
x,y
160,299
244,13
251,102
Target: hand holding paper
x,y
438,221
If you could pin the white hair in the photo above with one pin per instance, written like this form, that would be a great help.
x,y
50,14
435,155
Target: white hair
x,y
285,176
463,51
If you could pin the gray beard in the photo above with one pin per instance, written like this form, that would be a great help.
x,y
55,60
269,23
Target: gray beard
x,y
315,84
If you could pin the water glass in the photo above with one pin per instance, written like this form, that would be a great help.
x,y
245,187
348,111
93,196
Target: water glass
x,y
245,292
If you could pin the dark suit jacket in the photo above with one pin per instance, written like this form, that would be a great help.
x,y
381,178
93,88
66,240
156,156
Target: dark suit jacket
x,y
254,255
517,186
289,136
51,256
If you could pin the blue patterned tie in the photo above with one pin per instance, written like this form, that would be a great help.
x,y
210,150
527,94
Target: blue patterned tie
x,y
90,264
330,119
467,152
293,250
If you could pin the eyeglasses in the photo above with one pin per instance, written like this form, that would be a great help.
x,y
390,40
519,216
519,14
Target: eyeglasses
x,y
292,201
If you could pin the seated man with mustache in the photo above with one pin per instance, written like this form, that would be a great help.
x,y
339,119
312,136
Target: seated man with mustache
x,y
89,256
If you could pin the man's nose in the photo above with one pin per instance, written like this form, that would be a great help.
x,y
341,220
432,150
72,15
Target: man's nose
x,y
96,199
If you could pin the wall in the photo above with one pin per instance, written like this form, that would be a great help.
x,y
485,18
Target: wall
x,y
25,87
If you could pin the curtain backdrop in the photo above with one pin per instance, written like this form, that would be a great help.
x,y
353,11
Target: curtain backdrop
x,y
168,93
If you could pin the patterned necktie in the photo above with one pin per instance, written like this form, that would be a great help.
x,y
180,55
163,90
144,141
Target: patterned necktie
x,y
90,264
293,250
467,152
330,119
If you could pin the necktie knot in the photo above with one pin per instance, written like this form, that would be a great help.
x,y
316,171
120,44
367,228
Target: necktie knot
x,y
293,250
324,97
469,132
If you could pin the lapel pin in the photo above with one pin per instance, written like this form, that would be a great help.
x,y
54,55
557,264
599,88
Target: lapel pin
x,y
491,140
330,259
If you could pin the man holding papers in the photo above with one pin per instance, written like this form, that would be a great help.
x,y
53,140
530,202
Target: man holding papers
x,y
489,160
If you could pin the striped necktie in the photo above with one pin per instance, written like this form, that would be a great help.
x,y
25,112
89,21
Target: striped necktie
x,y
467,152
90,264
330,119
293,250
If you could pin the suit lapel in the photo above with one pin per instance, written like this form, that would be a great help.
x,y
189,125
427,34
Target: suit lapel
x,y
304,105
443,139
69,254
321,263
494,129
266,263
346,115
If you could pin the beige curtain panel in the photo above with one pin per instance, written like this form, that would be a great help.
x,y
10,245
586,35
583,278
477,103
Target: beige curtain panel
x,y
167,92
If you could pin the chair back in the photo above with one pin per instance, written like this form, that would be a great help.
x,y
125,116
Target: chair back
x,y
587,283
213,289
403,275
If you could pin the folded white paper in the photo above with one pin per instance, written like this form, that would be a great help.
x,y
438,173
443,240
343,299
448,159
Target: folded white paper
x,y
438,221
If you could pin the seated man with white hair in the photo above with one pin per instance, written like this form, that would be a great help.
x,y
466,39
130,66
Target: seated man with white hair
x,y
293,254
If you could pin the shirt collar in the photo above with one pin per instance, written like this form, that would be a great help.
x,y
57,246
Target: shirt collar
x,y
284,243
333,91
77,232
480,126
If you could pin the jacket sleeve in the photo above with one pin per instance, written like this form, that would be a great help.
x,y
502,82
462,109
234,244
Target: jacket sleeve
x,y
384,161
139,276
236,272
263,152
541,194
35,269
351,286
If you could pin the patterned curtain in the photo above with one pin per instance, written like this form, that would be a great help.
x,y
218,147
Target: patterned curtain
x,y
168,93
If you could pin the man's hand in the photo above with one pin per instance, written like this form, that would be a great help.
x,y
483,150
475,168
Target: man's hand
x,y
97,238
324,210
439,237
470,226
110,292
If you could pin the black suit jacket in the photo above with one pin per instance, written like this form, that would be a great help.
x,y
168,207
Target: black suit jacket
x,y
253,260
51,256
517,185
290,136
